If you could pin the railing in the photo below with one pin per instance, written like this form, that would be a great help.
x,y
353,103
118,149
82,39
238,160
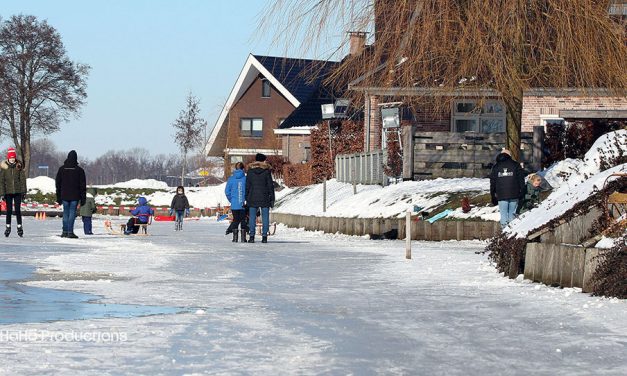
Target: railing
x,y
360,168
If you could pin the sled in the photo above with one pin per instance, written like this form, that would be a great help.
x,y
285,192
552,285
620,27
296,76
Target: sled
x,y
439,216
110,227
271,228
223,217
164,218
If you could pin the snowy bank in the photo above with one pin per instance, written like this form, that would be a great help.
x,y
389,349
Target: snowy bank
x,y
43,184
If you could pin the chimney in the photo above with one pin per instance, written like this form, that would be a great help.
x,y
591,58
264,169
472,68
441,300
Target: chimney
x,y
357,41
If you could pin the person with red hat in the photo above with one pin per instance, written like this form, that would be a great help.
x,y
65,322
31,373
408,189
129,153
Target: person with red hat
x,y
13,189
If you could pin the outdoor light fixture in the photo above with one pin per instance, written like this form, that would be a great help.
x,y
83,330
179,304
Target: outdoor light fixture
x,y
337,110
390,117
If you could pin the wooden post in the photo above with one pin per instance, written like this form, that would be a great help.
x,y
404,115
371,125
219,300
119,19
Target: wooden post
x,y
538,147
324,195
408,235
408,152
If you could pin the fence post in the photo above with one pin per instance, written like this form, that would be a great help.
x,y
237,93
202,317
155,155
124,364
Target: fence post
x,y
408,235
324,195
538,147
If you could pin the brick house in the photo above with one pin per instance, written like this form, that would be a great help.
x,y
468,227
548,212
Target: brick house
x,y
266,92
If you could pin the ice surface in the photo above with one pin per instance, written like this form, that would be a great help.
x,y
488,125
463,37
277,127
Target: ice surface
x,y
305,303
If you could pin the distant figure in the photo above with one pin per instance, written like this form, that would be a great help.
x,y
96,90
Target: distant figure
x,y
13,189
87,211
259,195
507,185
71,189
141,215
236,194
179,207
531,198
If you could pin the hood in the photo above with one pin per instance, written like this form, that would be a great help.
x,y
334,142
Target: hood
x,y
142,201
238,174
6,165
262,165
72,159
89,195
502,157
92,191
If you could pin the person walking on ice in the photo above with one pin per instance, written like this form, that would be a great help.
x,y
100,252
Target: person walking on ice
x,y
13,189
87,211
235,192
259,195
179,207
71,189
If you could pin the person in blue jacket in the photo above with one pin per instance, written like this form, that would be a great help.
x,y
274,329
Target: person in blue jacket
x,y
141,215
236,194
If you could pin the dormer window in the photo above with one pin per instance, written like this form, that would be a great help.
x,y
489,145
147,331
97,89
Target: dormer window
x,y
265,88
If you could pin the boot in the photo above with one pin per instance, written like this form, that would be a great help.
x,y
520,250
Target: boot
x,y
243,239
72,235
251,239
264,239
20,231
235,236
64,234
7,231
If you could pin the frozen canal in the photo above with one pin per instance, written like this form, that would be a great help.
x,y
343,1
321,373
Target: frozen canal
x,y
306,303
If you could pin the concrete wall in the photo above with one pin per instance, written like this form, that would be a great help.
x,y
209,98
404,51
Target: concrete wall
x,y
420,230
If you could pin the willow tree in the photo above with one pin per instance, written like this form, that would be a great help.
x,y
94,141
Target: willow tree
x,y
454,47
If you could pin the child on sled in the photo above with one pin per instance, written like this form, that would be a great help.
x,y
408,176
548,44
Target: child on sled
x,y
141,215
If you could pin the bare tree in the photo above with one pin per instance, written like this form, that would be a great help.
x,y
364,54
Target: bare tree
x,y
40,87
454,47
188,129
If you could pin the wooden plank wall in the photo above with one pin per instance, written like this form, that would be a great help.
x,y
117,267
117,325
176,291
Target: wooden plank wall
x,y
469,154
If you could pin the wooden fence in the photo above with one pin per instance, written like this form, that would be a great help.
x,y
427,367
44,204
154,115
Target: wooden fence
x,y
468,154
420,230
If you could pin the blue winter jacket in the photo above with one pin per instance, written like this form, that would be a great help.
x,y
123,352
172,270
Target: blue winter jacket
x,y
143,212
236,190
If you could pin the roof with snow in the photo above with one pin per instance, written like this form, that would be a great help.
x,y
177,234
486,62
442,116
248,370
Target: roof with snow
x,y
291,77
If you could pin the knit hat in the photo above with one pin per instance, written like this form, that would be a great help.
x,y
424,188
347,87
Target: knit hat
x,y
11,153
506,151
260,157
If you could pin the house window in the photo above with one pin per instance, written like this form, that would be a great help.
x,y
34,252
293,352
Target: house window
x,y
265,89
236,158
251,127
469,116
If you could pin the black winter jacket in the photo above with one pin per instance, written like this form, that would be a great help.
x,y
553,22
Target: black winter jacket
x,y
179,202
70,181
259,186
507,179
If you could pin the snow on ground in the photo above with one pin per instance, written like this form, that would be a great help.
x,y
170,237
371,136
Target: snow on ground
x,y
139,184
44,184
199,197
373,201
581,183
305,303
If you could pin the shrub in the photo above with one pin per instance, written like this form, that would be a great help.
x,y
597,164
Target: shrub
x,y
297,175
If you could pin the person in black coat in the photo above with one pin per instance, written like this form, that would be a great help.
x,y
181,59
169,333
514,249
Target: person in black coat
x,y
507,185
259,195
71,189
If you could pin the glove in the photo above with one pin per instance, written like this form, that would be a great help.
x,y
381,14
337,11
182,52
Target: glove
x,y
271,204
494,201
187,212
171,212
83,201
59,201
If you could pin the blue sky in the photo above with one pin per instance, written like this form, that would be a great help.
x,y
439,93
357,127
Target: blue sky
x,y
145,57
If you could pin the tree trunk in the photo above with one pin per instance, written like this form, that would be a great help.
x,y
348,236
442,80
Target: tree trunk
x,y
183,169
514,125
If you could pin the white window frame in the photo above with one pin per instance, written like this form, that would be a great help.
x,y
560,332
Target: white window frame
x,y
478,115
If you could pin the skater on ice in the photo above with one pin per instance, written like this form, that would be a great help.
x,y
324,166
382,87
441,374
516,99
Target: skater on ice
x,y
87,211
259,195
13,189
71,188
179,207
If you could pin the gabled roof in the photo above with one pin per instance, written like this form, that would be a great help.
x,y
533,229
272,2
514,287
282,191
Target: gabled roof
x,y
290,77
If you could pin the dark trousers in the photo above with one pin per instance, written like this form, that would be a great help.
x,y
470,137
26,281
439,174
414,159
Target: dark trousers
x,y
130,226
239,219
14,200
87,225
